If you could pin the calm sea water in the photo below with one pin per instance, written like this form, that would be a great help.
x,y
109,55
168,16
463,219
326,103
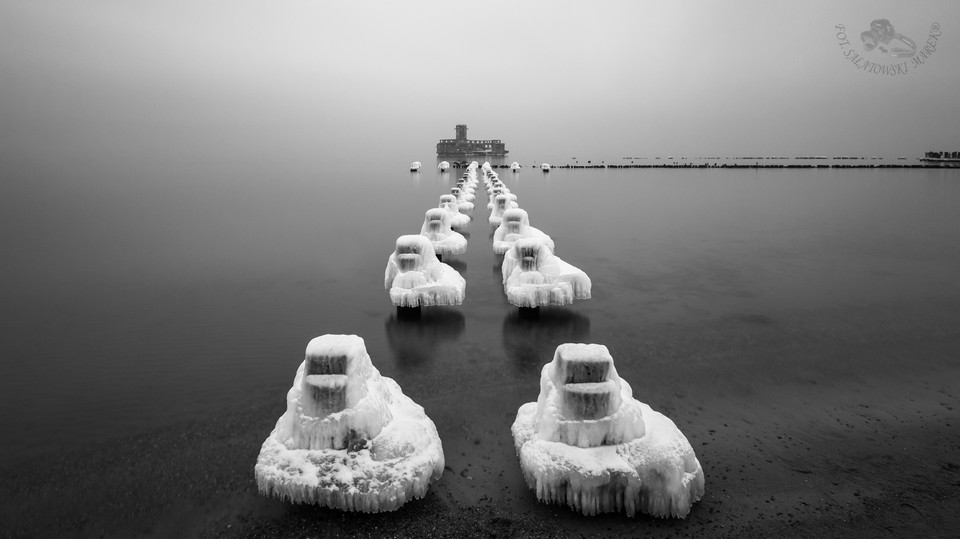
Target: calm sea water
x,y
137,299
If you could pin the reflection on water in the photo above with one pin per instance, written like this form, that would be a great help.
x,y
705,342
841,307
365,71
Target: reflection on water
x,y
531,339
457,264
166,278
413,338
498,268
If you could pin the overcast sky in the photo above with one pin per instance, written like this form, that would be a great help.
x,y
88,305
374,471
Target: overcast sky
x,y
552,79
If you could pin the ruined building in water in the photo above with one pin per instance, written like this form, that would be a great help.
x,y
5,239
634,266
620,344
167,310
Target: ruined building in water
x,y
464,147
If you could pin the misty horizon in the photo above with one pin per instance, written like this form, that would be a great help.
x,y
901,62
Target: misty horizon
x,y
117,81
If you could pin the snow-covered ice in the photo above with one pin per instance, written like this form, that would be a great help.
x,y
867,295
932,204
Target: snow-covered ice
x,y
458,221
516,225
501,203
587,443
436,228
350,439
415,278
534,277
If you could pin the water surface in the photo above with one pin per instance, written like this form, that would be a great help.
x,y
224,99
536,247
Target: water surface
x,y
136,299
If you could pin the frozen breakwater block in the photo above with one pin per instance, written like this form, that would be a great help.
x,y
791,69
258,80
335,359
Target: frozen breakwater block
x,y
458,221
415,278
326,394
514,226
534,277
588,444
582,364
464,204
436,228
348,440
589,401
501,203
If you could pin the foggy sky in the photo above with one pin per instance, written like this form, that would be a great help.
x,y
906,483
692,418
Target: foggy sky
x,y
134,81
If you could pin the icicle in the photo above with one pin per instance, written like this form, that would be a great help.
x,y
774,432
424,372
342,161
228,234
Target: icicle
x,y
514,226
369,448
587,443
533,276
414,277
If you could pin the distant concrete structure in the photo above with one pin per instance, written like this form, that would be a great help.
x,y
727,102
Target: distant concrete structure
x,y
464,147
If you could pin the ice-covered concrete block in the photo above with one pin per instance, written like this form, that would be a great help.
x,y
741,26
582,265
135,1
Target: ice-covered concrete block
x,y
372,454
414,277
587,401
458,221
436,228
534,277
580,448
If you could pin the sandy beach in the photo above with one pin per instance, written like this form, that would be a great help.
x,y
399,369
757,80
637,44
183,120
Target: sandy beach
x,y
839,424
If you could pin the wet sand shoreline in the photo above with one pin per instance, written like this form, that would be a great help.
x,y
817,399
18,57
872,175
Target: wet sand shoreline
x,y
849,430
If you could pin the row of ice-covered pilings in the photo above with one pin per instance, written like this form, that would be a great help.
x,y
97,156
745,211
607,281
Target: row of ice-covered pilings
x,y
533,276
416,276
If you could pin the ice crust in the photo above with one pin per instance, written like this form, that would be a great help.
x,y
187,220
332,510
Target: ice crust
x,y
464,205
505,192
501,203
415,278
436,228
534,277
458,221
516,225
377,453
633,459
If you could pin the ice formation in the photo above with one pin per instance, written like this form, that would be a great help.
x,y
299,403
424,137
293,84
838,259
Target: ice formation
x,y
350,439
502,203
415,278
415,165
589,444
516,225
534,277
464,205
444,165
459,221
466,190
497,191
436,228
495,187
